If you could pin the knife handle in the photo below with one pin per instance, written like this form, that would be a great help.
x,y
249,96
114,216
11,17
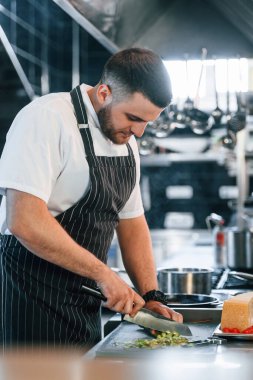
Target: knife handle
x,y
95,292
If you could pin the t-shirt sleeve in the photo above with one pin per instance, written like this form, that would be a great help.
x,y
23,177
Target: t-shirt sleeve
x,y
134,207
31,158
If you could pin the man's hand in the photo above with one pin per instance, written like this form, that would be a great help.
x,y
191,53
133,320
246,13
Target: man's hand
x,y
120,297
159,308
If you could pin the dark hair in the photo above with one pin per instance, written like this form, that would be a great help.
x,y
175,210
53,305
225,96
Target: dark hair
x,y
138,70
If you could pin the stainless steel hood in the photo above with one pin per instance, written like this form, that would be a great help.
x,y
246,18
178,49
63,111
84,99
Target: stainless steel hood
x,y
172,28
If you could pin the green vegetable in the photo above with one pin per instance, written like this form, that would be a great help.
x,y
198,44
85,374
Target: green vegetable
x,y
162,339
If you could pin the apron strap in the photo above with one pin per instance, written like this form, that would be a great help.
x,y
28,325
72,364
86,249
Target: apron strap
x,y
82,121
79,107
130,153
83,125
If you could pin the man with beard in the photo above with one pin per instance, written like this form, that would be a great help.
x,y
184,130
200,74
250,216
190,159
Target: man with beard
x,y
69,175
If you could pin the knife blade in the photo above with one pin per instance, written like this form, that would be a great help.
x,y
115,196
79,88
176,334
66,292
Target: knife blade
x,y
149,319
144,317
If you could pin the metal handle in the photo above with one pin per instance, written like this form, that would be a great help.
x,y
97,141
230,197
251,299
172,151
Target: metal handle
x,y
95,292
241,275
206,342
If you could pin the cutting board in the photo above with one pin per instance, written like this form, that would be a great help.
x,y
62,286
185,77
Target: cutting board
x,y
115,344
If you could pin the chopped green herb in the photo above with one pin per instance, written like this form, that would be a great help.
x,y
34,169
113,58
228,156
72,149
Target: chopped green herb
x,y
162,339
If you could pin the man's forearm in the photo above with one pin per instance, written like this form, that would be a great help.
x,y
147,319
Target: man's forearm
x,y
29,220
32,224
136,247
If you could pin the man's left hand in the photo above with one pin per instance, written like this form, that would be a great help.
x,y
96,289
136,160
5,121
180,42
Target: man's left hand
x,y
164,310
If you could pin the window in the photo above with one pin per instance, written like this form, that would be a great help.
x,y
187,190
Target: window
x,y
230,74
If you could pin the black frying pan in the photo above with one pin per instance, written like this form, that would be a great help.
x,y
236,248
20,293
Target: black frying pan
x,y
174,300
191,300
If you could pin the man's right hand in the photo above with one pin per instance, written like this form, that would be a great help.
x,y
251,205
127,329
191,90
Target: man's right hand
x,y
120,297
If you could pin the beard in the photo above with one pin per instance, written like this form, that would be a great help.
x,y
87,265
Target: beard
x,y
106,125
104,118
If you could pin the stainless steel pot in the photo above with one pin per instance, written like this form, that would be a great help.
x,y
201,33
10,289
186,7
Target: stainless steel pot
x,y
239,245
185,280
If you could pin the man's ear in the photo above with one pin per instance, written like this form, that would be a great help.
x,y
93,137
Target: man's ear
x,y
104,94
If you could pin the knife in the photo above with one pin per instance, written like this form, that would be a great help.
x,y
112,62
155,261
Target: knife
x,y
150,319
144,317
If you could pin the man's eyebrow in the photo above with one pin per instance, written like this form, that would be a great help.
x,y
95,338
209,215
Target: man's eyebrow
x,y
137,118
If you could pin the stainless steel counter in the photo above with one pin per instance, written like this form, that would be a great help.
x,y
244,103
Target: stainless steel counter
x,y
233,359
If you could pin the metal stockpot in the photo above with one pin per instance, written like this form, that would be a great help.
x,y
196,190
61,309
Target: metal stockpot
x,y
239,245
185,280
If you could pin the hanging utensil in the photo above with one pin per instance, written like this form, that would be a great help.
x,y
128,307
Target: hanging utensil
x,y
237,120
146,146
150,129
229,140
203,59
164,130
228,113
178,118
163,126
188,104
200,121
217,112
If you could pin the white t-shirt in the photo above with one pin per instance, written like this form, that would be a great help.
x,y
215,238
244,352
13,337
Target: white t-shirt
x,y
44,155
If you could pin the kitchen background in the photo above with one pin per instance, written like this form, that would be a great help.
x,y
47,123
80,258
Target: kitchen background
x,y
197,159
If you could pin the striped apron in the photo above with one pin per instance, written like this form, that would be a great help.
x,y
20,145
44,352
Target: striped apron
x,y
42,303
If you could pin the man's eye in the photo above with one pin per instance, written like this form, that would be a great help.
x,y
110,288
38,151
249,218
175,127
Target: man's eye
x,y
132,118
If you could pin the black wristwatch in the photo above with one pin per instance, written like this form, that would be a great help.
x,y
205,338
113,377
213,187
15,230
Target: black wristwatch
x,y
155,295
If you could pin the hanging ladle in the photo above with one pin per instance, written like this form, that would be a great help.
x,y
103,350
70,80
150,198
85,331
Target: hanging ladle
x,y
229,139
164,126
188,104
217,112
228,113
179,119
200,121
146,146
237,120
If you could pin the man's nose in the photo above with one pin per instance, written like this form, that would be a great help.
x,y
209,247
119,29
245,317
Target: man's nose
x,y
138,129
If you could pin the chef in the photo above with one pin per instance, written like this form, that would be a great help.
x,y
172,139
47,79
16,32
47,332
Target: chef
x,y
69,176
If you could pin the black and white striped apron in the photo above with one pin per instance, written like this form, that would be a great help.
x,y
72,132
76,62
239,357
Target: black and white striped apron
x,y
41,303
